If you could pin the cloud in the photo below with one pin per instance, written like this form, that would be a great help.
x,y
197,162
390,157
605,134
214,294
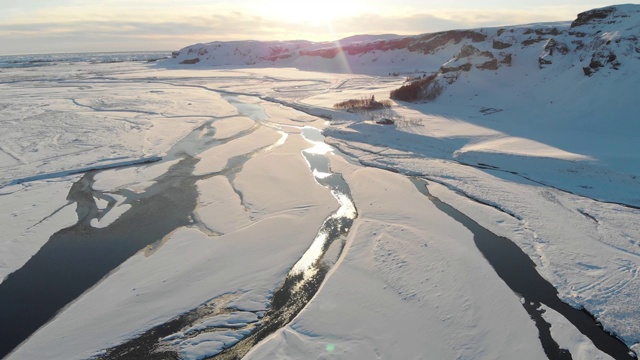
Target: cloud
x,y
418,23
130,34
90,29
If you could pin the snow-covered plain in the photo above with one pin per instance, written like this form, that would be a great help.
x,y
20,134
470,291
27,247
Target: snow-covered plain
x,y
547,158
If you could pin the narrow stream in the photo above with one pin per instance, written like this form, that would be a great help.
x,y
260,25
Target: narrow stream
x,y
518,271
78,257
306,276
299,287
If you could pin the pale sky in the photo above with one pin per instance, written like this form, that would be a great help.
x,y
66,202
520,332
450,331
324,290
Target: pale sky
x,y
55,26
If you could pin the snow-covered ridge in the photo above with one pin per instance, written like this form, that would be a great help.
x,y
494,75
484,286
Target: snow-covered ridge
x,y
597,40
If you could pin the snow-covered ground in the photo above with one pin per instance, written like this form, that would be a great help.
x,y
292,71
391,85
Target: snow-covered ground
x,y
548,160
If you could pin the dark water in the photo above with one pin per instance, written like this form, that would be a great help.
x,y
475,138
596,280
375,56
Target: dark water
x,y
298,288
76,258
518,271
35,60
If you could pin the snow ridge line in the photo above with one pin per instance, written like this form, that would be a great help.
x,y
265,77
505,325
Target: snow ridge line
x,y
60,174
341,145
75,102
492,168
414,174
12,154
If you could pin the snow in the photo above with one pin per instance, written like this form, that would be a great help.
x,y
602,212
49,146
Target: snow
x,y
146,291
550,226
31,213
215,193
112,214
543,155
202,345
226,128
134,178
150,287
411,282
235,319
570,338
215,159
519,147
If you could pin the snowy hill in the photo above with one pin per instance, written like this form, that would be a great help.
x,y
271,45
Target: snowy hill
x,y
598,40
554,104
571,85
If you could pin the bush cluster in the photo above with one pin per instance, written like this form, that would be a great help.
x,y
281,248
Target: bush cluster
x,y
363,104
419,90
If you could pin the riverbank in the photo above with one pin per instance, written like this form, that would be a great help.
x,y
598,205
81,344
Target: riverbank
x,y
257,207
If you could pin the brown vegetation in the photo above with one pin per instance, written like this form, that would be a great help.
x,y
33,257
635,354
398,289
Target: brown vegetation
x,y
425,89
364,104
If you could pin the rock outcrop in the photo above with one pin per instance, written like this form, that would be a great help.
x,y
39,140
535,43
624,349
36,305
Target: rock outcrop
x,y
597,42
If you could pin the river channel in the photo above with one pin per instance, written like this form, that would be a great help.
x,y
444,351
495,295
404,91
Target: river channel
x,y
77,258
518,271
298,288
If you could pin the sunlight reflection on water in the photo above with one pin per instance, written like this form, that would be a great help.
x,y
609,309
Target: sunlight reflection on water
x,y
332,226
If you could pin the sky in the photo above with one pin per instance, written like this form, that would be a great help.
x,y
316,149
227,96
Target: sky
x,y
63,26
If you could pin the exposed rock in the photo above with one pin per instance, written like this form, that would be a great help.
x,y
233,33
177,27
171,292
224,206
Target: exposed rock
x,y
190,61
388,45
554,47
542,61
469,56
587,71
430,42
598,40
329,53
466,51
463,67
547,31
507,59
451,77
489,111
530,42
489,65
279,53
501,45
592,16
579,45
595,64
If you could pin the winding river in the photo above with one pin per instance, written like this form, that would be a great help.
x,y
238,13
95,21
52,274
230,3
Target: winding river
x,y
77,258
298,288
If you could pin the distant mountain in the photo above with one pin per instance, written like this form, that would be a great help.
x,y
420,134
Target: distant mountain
x,y
598,41
574,84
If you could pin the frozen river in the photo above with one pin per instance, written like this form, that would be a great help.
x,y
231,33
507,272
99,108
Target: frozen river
x,y
165,213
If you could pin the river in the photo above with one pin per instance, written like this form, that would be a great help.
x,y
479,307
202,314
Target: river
x,y
77,258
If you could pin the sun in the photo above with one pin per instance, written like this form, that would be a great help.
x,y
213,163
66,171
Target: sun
x,y
322,12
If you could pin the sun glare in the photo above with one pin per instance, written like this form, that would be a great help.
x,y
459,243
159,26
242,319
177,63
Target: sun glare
x,y
313,13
